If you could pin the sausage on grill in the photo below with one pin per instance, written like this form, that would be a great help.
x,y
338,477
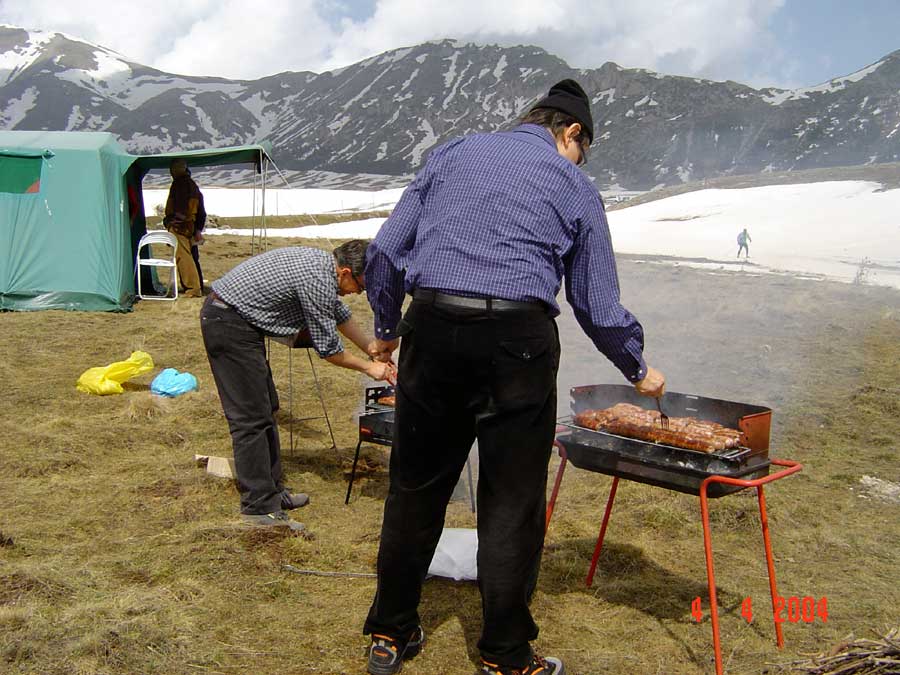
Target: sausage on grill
x,y
624,419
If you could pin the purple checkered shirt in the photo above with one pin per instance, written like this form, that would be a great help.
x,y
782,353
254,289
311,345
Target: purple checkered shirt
x,y
504,215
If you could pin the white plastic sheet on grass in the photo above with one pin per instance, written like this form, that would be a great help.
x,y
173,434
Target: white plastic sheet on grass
x,y
456,555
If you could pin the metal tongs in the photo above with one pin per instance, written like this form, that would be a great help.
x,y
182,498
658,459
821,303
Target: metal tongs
x,y
663,418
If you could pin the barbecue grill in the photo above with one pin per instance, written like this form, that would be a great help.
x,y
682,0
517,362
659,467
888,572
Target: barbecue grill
x,y
707,475
664,465
376,425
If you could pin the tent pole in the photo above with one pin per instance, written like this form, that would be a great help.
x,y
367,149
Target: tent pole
x,y
253,216
265,229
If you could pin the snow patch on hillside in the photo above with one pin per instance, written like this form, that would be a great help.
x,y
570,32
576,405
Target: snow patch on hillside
x,y
17,108
500,67
267,122
427,141
15,60
450,75
837,84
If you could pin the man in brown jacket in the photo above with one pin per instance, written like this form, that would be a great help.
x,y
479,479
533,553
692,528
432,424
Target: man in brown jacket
x,y
182,210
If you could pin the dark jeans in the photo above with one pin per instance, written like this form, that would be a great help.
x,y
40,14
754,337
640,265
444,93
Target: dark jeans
x,y
467,373
237,357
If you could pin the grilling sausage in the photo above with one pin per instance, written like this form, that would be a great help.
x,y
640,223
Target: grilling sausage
x,y
624,419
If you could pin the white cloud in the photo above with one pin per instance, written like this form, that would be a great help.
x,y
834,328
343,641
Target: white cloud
x,y
709,38
224,38
250,39
720,39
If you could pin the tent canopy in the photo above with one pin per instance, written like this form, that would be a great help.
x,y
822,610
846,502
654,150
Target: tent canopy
x,y
71,215
240,154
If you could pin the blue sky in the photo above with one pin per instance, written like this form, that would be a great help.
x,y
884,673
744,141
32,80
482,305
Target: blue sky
x,y
826,38
784,43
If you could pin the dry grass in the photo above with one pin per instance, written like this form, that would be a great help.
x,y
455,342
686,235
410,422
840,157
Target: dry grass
x,y
284,221
865,656
119,555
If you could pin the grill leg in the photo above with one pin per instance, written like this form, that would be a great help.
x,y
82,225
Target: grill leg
x,y
770,563
321,399
711,578
563,458
599,546
352,473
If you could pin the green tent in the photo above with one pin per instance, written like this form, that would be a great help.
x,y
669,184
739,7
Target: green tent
x,y
71,215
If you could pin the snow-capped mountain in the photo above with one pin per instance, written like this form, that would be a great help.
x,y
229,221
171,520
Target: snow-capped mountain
x,y
382,115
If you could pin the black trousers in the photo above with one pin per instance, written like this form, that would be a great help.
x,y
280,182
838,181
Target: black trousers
x,y
237,357
467,374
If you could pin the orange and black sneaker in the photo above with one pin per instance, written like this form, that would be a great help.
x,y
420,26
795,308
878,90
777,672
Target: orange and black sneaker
x,y
538,666
386,655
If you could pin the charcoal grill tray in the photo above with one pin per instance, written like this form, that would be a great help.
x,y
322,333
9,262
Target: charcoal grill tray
x,y
662,465
376,424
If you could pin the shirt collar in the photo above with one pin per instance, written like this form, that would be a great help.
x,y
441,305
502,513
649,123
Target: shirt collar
x,y
535,133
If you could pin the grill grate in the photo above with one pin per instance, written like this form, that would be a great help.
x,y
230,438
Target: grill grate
x,y
663,465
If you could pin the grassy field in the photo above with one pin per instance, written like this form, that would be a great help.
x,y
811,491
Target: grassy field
x,y
247,222
119,555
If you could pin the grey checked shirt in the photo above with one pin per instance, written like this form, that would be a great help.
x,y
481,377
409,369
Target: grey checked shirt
x,y
288,290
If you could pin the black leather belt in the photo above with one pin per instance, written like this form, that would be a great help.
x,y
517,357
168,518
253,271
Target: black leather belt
x,y
439,298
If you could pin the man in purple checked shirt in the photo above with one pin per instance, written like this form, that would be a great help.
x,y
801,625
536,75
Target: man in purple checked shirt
x,y
482,239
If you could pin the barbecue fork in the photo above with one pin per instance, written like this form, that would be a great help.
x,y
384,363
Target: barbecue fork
x,y
663,418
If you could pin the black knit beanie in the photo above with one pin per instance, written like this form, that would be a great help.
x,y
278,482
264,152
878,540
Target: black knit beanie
x,y
568,97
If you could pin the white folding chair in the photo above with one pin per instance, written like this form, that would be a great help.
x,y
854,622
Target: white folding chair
x,y
157,237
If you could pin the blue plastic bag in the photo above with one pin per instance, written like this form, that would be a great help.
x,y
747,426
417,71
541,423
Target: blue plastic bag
x,y
172,383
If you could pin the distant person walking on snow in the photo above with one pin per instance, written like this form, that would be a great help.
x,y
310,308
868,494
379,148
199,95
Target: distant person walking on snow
x,y
743,239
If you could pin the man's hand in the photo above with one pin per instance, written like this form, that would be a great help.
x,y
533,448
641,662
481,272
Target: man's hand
x,y
381,350
653,384
382,371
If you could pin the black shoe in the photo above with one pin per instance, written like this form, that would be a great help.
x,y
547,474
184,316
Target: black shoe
x,y
386,655
293,501
538,666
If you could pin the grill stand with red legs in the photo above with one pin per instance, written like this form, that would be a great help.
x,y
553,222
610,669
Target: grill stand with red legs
x,y
610,456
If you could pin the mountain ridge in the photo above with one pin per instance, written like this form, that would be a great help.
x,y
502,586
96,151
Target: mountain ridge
x,y
383,114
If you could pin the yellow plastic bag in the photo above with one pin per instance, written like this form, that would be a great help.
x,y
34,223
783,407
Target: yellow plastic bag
x,y
108,379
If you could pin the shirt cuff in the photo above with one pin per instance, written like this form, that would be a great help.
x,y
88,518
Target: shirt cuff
x,y
385,334
330,347
386,330
640,373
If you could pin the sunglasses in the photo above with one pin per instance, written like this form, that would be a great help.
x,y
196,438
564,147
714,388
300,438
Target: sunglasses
x,y
585,150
